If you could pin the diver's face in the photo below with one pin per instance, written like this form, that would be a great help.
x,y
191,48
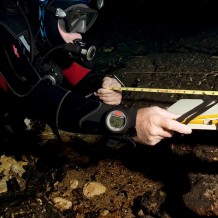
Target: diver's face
x,y
69,37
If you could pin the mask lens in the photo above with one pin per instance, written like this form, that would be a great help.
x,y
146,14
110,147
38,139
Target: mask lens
x,y
76,25
80,27
80,19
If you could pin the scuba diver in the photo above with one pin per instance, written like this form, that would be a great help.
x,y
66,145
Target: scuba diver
x,y
46,76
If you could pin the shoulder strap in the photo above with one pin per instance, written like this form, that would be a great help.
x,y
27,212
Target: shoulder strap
x,y
15,65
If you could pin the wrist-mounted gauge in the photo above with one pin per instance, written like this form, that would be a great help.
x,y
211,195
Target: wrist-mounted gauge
x,y
116,121
121,121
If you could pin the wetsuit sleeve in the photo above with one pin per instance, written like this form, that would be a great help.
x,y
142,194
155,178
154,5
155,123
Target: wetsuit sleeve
x,y
69,111
90,116
90,83
82,79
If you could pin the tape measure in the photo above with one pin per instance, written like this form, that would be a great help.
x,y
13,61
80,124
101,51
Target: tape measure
x,y
168,91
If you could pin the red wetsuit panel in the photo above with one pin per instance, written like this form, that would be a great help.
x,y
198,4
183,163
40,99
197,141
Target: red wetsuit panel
x,y
3,84
75,73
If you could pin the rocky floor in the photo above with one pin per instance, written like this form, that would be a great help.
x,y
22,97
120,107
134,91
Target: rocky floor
x,y
87,176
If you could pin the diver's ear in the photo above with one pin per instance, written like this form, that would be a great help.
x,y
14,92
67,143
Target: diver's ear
x,y
9,6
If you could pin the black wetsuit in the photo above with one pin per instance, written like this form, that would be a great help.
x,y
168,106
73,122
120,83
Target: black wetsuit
x,y
59,105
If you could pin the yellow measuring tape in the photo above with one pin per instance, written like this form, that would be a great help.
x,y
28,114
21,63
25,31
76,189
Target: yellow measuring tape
x,y
169,91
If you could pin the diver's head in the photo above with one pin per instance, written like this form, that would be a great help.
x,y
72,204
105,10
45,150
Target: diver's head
x,y
66,20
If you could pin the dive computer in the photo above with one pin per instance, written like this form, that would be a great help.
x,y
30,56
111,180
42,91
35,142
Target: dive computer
x,y
116,121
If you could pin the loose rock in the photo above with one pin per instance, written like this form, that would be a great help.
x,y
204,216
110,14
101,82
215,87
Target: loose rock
x,y
93,188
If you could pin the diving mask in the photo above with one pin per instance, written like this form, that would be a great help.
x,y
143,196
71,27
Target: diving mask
x,y
76,18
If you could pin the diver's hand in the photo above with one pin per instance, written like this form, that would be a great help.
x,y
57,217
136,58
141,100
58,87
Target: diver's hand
x,y
154,124
109,96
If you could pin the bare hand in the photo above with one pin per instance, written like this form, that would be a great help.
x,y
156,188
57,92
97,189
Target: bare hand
x,y
109,96
154,124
